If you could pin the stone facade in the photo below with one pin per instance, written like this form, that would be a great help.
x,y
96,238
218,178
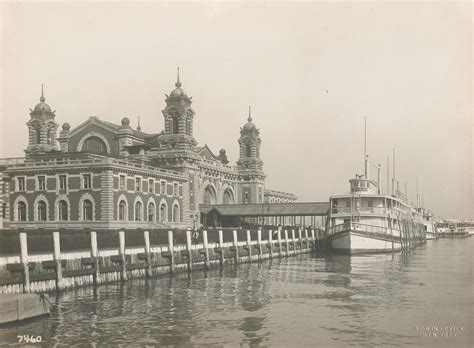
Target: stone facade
x,y
118,172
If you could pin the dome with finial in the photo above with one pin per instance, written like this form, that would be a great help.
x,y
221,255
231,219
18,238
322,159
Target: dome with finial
x,y
66,126
42,106
249,125
125,122
178,91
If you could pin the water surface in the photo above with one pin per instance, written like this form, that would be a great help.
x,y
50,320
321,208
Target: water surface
x,y
307,300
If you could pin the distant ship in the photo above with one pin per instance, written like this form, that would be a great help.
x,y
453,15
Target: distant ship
x,y
455,228
365,221
429,224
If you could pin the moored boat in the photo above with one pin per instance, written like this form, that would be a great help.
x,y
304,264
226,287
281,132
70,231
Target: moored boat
x,y
454,228
429,224
365,221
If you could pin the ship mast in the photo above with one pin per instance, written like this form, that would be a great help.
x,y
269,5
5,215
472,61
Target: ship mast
x,y
366,159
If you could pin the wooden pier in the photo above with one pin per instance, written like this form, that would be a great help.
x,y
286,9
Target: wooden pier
x,y
112,256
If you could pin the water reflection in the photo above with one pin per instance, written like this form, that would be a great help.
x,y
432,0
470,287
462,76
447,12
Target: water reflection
x,y
337,300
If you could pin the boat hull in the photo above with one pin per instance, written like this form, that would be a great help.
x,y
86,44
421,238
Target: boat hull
x,y
352,242
430,236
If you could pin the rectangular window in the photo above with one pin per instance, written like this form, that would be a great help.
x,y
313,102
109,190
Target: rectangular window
x,y
87,181
151,185
62,182
41,183
175,189
21,184
163,188
122,181
138,184
369,203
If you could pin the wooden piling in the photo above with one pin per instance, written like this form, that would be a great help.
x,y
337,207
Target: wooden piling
x,y
293,240
122,254
280,246
190,252
300,239
221,247
171,250
287,243
146,237
313,240
259,243
236,245
95,257
249,246
24,261
270,243
306,238
57,260
206,248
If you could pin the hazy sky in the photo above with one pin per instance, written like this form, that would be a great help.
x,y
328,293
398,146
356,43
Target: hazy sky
x,y
311,72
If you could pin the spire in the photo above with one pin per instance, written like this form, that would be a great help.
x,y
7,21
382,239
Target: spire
x,y
250,114
42,99
138,127
178,83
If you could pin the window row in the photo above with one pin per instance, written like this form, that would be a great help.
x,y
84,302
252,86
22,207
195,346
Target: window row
x,y
140,186
150,214
41,213
62,183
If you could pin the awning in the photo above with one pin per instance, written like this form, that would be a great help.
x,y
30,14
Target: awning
x,y
269,209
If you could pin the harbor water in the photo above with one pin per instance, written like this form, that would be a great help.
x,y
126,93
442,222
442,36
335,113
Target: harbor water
x,y
420,299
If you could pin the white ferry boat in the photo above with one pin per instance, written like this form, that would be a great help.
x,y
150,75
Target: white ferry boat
x,y
365,221
454,228
429,224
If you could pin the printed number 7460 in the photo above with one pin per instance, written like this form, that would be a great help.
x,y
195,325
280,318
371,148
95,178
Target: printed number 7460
x,y
29,339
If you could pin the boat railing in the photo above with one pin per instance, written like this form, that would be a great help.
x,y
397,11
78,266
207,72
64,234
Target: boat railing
x,y
367,210
361,228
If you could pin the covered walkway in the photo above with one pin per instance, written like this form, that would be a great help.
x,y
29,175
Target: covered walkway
x,y
265,214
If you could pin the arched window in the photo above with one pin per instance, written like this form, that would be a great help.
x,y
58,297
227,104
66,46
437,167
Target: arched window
x,y
95,145
62,211
87,210
151,212
248,150
138,211
42,211
176,213
21,211
228,197
122,213
175,125
48,136
38,135
163,212
209,195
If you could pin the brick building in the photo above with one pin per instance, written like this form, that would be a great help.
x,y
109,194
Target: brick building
x,y
107,175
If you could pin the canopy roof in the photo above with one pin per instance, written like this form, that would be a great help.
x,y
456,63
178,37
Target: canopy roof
x,y
269,209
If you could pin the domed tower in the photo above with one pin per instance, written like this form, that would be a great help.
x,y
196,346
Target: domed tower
x,y
179,116
249,165
42,129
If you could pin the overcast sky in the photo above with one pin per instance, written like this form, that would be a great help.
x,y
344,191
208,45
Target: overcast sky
x,y
310,71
